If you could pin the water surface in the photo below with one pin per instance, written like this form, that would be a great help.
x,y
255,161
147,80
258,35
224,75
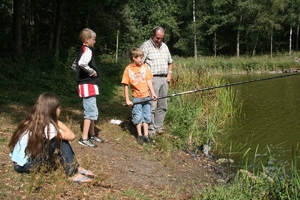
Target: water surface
x,y
270,116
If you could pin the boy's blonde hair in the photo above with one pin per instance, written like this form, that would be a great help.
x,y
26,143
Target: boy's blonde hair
x,y
86,33
135,52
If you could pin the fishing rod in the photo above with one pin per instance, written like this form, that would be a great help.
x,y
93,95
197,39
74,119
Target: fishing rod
x,y
220,86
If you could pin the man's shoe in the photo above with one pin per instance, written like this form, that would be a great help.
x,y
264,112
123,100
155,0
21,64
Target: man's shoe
x,y
160,131
86,143
148,140
140,139
96,138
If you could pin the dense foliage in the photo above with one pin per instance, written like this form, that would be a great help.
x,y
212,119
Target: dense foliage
x,y
218,27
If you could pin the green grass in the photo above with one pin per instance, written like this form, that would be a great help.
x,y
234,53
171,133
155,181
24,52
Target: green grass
x,y
192,119
253,180
241,65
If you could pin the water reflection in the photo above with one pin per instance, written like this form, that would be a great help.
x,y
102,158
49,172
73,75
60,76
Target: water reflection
x,y
269,118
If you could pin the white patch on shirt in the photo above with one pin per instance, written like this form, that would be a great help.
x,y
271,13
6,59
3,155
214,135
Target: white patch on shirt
x,y
137,77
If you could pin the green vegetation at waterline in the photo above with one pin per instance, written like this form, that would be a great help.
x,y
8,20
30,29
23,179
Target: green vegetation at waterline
x,y
241,65
257,181
199,117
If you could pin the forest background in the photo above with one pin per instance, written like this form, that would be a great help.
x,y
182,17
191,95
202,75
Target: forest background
x,y
193,28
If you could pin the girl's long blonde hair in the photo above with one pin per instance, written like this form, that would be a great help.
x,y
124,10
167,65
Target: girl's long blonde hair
x,y
42,114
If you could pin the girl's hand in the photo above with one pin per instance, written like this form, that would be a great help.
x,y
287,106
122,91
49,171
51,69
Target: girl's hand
x,y
66,133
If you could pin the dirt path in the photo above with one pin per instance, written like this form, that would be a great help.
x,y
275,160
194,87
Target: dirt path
x,y
124,169
127,165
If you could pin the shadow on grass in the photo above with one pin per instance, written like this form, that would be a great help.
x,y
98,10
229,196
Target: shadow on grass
x,y
20,87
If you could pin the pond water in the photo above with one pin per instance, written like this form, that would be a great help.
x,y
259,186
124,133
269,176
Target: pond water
x,y
269,118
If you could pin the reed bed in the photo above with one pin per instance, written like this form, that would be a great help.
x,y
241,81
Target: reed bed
x,y
197,117
200,117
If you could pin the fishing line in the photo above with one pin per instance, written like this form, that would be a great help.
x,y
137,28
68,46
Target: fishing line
x,y
220,86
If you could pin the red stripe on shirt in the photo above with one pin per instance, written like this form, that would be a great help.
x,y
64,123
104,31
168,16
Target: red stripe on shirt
x,y
91,90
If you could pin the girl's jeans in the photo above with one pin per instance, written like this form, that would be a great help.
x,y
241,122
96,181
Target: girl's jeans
x,y
66,158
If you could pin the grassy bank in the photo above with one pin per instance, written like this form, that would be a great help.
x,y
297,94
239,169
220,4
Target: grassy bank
x,y
197,118
192,120
242,65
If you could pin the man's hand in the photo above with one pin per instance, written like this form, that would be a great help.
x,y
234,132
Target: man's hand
x,y
169,76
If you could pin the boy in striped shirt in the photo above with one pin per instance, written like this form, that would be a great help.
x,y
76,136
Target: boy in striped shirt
x,y
88,80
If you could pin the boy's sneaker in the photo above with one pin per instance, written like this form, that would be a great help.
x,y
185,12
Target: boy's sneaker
x,y
140,139
148,140
96,138
86,143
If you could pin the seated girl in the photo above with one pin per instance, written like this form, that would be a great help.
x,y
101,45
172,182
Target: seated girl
x,y
39,135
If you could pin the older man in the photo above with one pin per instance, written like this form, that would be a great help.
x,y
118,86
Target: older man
x,y
159,61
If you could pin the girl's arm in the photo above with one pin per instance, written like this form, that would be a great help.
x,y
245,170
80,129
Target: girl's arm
x,y
66,133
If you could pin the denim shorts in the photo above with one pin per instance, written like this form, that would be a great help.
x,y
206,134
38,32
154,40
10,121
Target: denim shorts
x,y
141,112
90,108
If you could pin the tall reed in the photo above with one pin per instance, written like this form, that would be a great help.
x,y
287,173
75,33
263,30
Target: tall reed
x,y
197,117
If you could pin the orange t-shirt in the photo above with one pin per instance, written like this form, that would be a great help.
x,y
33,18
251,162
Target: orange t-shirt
x,y
137,77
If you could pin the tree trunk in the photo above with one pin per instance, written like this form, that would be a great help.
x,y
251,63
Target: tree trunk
x,y
117,45
215,43
238,44
55,36
195,36
36,22
290,41
271,45
238,39
297,38
255,45
17,25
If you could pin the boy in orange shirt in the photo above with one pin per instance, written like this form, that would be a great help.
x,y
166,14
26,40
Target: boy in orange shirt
x,y
139,77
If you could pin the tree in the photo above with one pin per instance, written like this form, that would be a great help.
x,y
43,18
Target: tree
x,y
220,16
243,13
193,28
154,13
292,19
17,25
269,19
195,35
276,17
55,35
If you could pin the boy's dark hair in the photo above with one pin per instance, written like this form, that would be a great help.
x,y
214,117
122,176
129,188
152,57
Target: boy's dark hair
x,y
135,52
